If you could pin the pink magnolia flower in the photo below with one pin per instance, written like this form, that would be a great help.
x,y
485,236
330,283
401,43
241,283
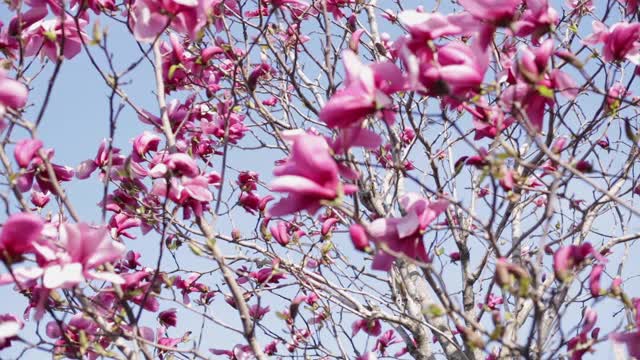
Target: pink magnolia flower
x,y
620,41
538,19
189,285
239,352
267,276
119,223
38,171
615,95
425,26
310,176
178,163
13,94
531,89
370,327
192,193
404,235
567,258
359,237
19,233
96,5
280,233
385,340
69,336
104,158
498,12
26,150
367,90
47,36
145,143
10,326
492,302
271,348
149,18
39,198
248,180
579,345
257,312
86,249
594,280
168,317
488,121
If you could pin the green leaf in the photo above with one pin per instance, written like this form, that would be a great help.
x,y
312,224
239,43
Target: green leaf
x,y
435,310
195,249
545,91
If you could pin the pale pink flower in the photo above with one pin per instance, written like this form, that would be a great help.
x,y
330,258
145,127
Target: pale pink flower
x,y
310,176
404,235
367,90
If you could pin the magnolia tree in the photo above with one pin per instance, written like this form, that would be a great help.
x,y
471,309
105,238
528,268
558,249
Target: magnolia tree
x,y
323,179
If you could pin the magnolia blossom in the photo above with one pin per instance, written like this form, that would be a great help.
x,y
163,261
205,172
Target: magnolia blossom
x,y
149,18
620,41
310,176
107,156
13,94
87,248
367,90
569,257
494,11
47,36
10,326
19,234
404,235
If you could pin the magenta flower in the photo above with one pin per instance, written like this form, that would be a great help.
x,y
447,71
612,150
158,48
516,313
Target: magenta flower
x,y
370,327
271,348
39,198
367,90
257,312
119,223
310,176
37,170
13,93
359,237
149,18
614,98
19,233
567,258
456,69
144,143
488,121
621,41
280,233
26,150
404,235
538,19
168,317
87,248
594,280
104,158
498,12
178,163
425,26
385,340
580,344
192,193
10,326
47,35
